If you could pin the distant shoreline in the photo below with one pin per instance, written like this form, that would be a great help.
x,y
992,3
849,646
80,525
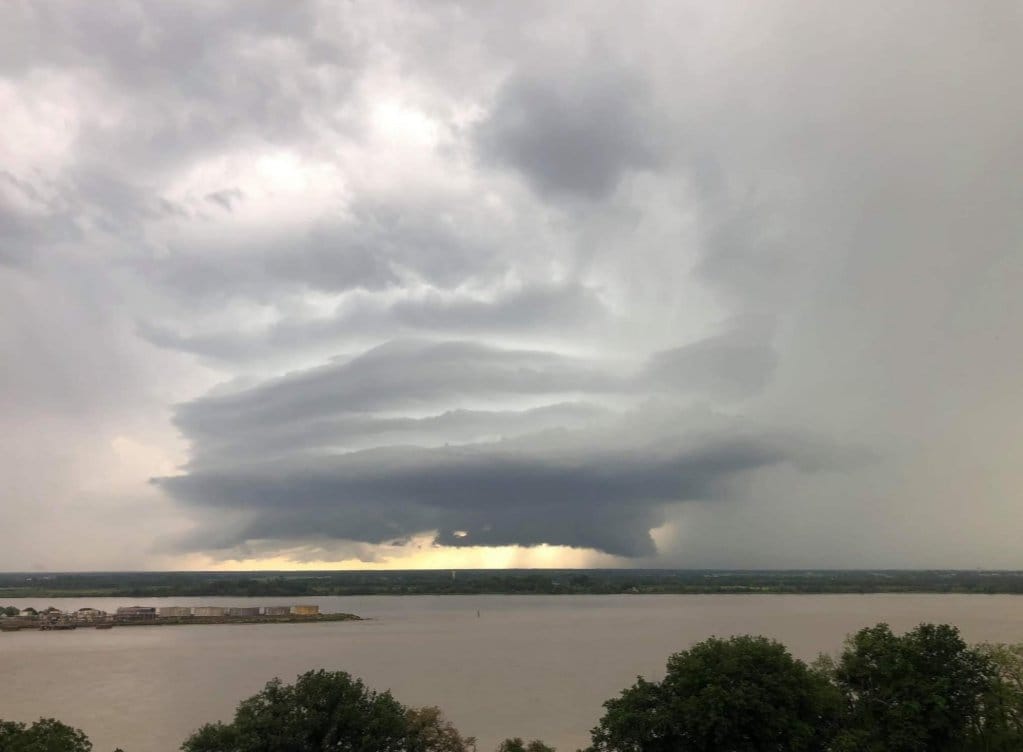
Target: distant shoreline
x,y
163,585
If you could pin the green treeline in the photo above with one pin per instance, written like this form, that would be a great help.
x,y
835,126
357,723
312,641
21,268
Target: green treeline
x,y
504,582
924,691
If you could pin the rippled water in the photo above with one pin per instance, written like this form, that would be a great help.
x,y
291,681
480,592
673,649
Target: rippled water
x,y
527,666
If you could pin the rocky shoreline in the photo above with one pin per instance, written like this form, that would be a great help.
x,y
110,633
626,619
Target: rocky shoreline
x,y
18,624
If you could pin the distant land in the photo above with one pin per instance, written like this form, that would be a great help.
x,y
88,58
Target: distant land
x,y
502,582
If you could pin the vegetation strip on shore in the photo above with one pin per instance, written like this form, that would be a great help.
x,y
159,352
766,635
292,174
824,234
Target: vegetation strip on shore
x,y
504,582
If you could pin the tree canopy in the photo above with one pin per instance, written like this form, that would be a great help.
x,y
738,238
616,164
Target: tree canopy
x,y
742,694
45,735
328,710
322,710
924,691
516,744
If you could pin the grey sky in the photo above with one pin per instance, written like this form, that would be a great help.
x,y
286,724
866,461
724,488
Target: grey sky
x,y
693,284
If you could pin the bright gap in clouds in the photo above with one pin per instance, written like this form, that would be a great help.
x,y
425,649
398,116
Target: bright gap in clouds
x,y
419,553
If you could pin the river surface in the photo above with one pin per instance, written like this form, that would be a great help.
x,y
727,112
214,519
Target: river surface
x,y
531,666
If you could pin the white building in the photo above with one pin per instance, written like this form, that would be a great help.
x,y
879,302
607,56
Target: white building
x,y
173,611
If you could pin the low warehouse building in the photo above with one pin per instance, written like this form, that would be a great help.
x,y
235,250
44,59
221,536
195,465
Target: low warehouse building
x,y
172,611
277,610
208,611
243,611
136,613
305,610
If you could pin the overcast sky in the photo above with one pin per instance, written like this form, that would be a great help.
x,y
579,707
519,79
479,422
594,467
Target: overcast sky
x,y
713,284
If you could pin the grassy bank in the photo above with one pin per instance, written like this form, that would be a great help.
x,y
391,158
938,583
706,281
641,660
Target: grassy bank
x,y
500,582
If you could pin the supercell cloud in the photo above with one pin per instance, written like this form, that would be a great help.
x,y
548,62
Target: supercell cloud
x,y
678,284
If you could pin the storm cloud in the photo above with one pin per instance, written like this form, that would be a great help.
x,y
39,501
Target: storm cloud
x,y
576,135
673,284
573,489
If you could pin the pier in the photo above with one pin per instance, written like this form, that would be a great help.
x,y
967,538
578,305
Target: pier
x,y
53,619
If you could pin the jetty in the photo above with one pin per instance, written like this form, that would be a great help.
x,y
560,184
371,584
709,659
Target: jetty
x,y
53,619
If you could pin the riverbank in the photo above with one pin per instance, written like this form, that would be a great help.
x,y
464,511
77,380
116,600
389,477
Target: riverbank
x,y
502,582
17,624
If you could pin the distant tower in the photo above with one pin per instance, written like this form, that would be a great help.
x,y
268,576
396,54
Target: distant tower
x,y
452,574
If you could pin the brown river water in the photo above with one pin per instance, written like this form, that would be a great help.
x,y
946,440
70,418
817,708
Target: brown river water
x,y
530,666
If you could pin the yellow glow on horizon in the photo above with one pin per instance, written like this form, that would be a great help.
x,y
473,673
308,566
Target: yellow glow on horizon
x,y
422,554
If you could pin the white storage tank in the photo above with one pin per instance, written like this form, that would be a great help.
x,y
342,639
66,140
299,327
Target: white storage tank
x,y
243,611
208,611
165,612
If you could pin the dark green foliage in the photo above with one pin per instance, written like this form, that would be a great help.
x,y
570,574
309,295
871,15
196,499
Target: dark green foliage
x,y
517,745
322,710
925,691
326,710
922,692
10,611
214,737
640,720
45,735
429,732
1003,706
744,694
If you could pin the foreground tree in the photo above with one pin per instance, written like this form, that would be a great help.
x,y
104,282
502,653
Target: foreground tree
x,y
326,710
45,735
322,710
1004,705
922,692
1000,724
428,731
517,745
743,694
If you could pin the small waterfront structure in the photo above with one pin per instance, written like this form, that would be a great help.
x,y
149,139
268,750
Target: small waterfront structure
x,y
305,610
136,613
165,612
29,613
209,611
89,614
53,615
277,610
243,611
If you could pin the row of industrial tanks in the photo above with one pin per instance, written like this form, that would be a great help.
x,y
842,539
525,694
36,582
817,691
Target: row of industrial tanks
x,y
178,611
